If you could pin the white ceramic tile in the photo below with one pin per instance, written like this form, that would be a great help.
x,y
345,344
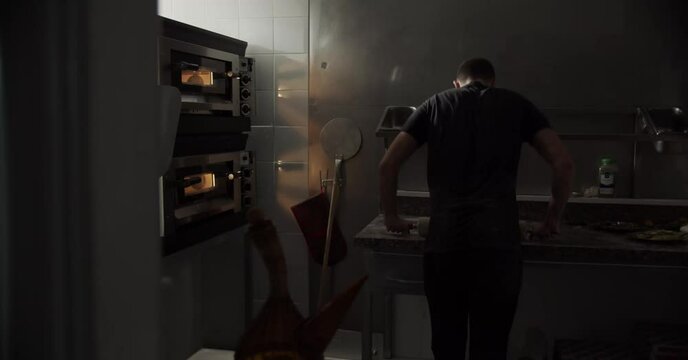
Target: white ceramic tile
x,y
222,9
258,33
165,8
264,113
290,8
265,185
191,12
255,8
291,72
291,144
291,35
291,188
264,71
227,27
260,140
291,108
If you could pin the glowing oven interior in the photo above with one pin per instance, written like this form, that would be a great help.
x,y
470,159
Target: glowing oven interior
x,y
200,183
197,77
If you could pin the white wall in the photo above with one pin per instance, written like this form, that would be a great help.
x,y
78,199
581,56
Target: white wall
x,y
277,36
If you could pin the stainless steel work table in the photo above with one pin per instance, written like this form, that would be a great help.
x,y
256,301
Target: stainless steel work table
x,y
394,263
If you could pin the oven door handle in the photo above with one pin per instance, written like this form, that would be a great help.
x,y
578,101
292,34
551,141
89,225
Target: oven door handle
x,y
185,65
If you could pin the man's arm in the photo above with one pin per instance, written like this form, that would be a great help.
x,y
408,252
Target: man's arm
x,y
401,148
550,147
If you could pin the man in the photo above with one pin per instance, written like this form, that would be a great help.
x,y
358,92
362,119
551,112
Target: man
x,y
472,260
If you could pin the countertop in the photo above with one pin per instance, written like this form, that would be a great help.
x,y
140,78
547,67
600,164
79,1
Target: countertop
x,y
574,245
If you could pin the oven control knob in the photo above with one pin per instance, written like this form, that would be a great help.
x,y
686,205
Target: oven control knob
x,y
245,79
245,94
245,109
246,173
246,187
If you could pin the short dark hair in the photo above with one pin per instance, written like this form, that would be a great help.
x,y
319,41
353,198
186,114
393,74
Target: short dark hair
x,y
477,68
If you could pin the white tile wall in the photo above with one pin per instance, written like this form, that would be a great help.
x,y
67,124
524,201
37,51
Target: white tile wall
x,y
190,12
265,71
258,33
264,113
165,8
291,72
265,186
291,108
227,27
289,8
291,35
222,9
255,8
291,187
261,141
291,144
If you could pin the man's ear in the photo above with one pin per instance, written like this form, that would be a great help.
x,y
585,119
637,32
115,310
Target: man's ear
x,y
456,84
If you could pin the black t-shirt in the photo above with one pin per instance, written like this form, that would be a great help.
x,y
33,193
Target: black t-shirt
x,y
474,136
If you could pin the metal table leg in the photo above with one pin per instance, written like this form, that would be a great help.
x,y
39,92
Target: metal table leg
x,y
367,333
388,334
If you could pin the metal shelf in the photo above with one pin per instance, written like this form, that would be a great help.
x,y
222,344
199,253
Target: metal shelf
x,y
389,133
623,137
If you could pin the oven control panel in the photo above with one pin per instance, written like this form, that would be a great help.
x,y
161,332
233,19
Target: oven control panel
x,y
248,180
246,86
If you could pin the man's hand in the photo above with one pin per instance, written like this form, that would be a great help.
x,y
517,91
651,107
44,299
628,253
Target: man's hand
x,y
550,147
398,225
401,148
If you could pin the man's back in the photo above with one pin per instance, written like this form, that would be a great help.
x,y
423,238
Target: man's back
x,y
474,136
472,266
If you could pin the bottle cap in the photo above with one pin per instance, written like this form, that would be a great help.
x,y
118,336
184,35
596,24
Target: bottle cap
x,y
607,161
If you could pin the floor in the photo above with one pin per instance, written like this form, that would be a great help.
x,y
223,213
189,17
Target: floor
x,y
346,345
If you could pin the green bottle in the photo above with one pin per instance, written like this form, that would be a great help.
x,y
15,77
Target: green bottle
x,y
607,177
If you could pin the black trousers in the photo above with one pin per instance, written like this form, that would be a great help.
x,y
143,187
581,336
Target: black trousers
x,y
476,289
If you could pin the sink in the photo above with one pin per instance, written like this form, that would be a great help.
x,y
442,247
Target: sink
x,y
665,122
393,119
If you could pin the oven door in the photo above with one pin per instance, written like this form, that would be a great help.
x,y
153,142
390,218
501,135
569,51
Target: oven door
x,y
206,185
208,79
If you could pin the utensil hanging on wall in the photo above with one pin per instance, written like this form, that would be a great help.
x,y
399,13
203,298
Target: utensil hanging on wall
x,y
312,217
341,140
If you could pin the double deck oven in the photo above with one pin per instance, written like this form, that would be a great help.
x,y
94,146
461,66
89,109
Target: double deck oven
x,y
211,182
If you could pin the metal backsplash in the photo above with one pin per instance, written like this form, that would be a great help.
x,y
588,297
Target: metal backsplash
x,y
587,54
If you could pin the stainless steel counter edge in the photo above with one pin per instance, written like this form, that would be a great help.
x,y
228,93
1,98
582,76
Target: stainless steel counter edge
x,y
575,250
575,200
